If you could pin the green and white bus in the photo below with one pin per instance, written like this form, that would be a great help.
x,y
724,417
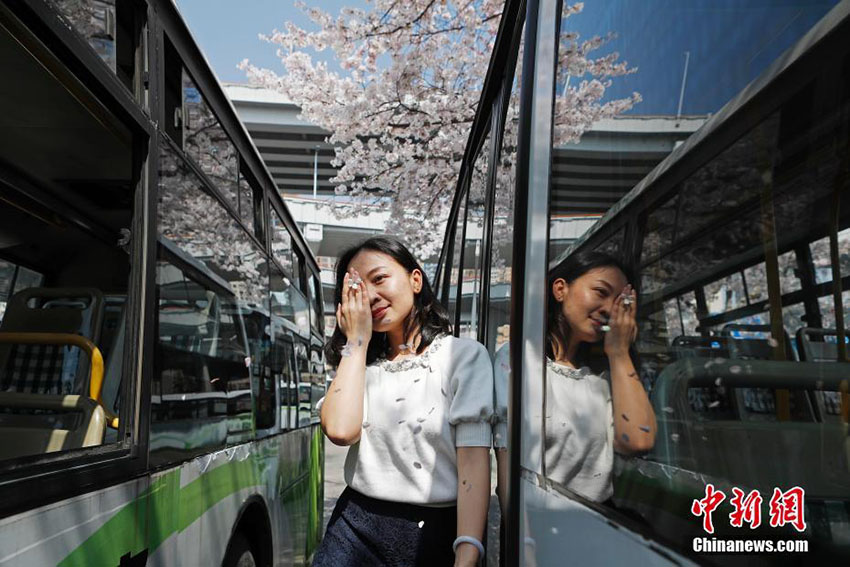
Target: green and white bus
x,y
160,313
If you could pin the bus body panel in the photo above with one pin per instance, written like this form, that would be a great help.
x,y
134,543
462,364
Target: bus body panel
x,y
593,539
180,515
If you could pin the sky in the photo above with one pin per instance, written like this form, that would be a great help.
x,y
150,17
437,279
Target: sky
x,y
228,30
729,41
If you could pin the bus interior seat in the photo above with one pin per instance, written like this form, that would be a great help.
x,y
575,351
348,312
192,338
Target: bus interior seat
x,y
49,369
42,423
44,403
685,346
701,441
753,348
813,346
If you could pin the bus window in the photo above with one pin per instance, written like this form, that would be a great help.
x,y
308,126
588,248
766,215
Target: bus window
x,y
304,405
317,320
725,383
788,272
659,229
114,30
206,142
822,260
258,328
455,275
317,389
281,243
470,281
613,245
212,282
66,199
755,279
289,303
297,264
725,294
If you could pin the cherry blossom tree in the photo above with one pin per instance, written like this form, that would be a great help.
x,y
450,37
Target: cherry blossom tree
x,y
400,111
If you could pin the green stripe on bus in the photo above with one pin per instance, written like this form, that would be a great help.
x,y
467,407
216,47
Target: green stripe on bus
x,y
164,509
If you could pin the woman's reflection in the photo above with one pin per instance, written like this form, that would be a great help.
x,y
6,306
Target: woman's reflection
x,y
592,413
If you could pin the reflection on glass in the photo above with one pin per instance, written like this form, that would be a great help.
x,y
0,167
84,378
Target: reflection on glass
x,y
281,243
212,381
470,286
455,272
111,28
595,402
725,294
823,260
206,142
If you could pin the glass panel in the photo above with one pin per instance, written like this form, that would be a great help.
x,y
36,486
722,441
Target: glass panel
x,y
7,276
659,229
823,261
756,279
281,243
305,386
297,266
700,394
112,28
290,304
317,319
317,382
283,370
27,278
206,142
725,294
672,319
788,279
690,321
68,181
471,273
211,358
455,276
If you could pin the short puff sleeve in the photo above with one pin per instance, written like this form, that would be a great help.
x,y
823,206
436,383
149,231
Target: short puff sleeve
x,y
470,376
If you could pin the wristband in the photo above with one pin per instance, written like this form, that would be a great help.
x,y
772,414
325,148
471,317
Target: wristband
x,y
473,541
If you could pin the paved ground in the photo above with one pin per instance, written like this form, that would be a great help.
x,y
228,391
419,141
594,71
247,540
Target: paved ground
x,y
334,485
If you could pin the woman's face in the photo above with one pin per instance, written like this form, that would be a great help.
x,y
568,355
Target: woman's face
x,y
391,288
586,302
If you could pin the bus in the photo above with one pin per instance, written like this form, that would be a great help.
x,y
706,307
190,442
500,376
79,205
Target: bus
x,y
739,242
161,321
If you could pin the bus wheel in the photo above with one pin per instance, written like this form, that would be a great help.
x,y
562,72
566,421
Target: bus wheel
x,y
239,553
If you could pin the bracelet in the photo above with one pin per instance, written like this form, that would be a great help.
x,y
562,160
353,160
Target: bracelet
x,y
473,541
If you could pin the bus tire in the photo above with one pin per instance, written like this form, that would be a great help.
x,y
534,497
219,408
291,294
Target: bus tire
x,y
239,553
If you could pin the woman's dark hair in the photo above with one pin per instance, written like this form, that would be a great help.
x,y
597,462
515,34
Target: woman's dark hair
x,y
575,266
427,314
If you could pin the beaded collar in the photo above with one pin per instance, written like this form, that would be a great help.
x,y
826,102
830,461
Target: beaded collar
x,y
419,361
566,371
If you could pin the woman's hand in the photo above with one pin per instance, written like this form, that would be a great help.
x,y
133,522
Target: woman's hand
x,y
354,314
622,323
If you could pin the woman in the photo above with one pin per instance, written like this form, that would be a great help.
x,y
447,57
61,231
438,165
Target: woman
x,y
591,414
414,405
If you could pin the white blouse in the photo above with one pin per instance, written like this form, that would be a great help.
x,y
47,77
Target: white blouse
x,y
579,430
416,413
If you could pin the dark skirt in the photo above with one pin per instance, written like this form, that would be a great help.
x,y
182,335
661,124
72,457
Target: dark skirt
x,y
364,531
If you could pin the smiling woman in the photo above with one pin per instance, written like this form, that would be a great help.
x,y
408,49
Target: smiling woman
x,y
415,406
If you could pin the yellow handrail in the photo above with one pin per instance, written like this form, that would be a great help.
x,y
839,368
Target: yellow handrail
x,y
96,371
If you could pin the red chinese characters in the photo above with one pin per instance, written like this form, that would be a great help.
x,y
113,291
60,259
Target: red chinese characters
x,y
784,507
705,506
747,509
787,508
